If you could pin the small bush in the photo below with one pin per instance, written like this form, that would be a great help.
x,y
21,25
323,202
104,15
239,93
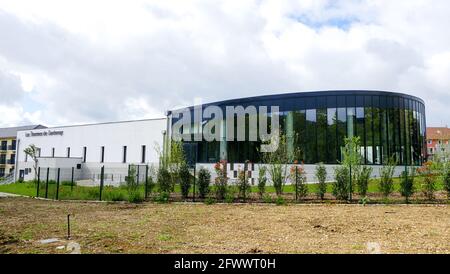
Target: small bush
x,y
164,180
298,179
243,185
221,180
407,188
231,194
210,201
185,180
341,184
321,175
262,181
204,179
280,201
386,186
362,179
429,181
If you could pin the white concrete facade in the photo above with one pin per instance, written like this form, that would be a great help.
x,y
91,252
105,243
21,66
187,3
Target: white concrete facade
x,y
89,147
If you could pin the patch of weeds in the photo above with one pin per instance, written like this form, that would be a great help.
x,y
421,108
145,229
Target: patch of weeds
x,y
162,198
364,200
267,199
164,237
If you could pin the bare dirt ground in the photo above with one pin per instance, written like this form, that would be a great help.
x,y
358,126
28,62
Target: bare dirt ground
x,y
223,228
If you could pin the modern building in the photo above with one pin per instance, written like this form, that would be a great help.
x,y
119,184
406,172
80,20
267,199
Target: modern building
x,y
438,142
389,124
8,147
87,148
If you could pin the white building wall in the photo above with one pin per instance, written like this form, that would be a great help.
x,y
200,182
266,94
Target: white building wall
x,y
113,136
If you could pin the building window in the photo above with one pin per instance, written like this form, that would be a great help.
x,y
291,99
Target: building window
x,y
39,152
53,152
143,154
68,152
102,157
84,154
124,160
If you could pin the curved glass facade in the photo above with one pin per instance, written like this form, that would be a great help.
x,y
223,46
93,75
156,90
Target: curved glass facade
x,y
388,124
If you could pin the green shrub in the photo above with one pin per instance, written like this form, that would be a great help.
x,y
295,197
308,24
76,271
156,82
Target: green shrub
x,y
204,179
262,181
210,201
407,188
221,181
362,179
386,186
341,184
298,179
321,175
185,180
429,180
150,184
243,185
164,180
280,201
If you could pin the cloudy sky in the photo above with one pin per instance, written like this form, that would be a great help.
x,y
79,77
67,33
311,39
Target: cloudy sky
x,y
64,62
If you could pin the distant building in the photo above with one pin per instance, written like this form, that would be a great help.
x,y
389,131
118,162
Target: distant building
x,y
8,140
438,142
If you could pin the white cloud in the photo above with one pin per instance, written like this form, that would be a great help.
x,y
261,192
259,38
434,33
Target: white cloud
x,y
85,61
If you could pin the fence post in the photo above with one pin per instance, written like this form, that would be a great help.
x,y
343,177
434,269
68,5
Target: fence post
x,y
57,184
146,181
71,182
244,184
193,192
102,171
296,183
46,185
38,181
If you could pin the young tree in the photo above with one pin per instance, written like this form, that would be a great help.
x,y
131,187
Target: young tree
x,y
386,186
185,180
321,175
362,180
429,180
262,180
278,162
176,161
341,185
33,152
134,196
298,179
407,188
204,179
221,181
352,160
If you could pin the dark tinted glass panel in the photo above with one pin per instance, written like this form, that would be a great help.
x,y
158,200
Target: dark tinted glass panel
x,y
332,155
311,140
322,135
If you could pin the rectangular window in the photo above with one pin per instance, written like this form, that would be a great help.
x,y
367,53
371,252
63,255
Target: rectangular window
x,y
84,154
102,156
39,152
311,139
68,152
331,135
322,151
53,152
124,159
143,154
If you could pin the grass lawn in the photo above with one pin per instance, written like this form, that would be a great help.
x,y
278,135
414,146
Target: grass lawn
x,y
222,228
